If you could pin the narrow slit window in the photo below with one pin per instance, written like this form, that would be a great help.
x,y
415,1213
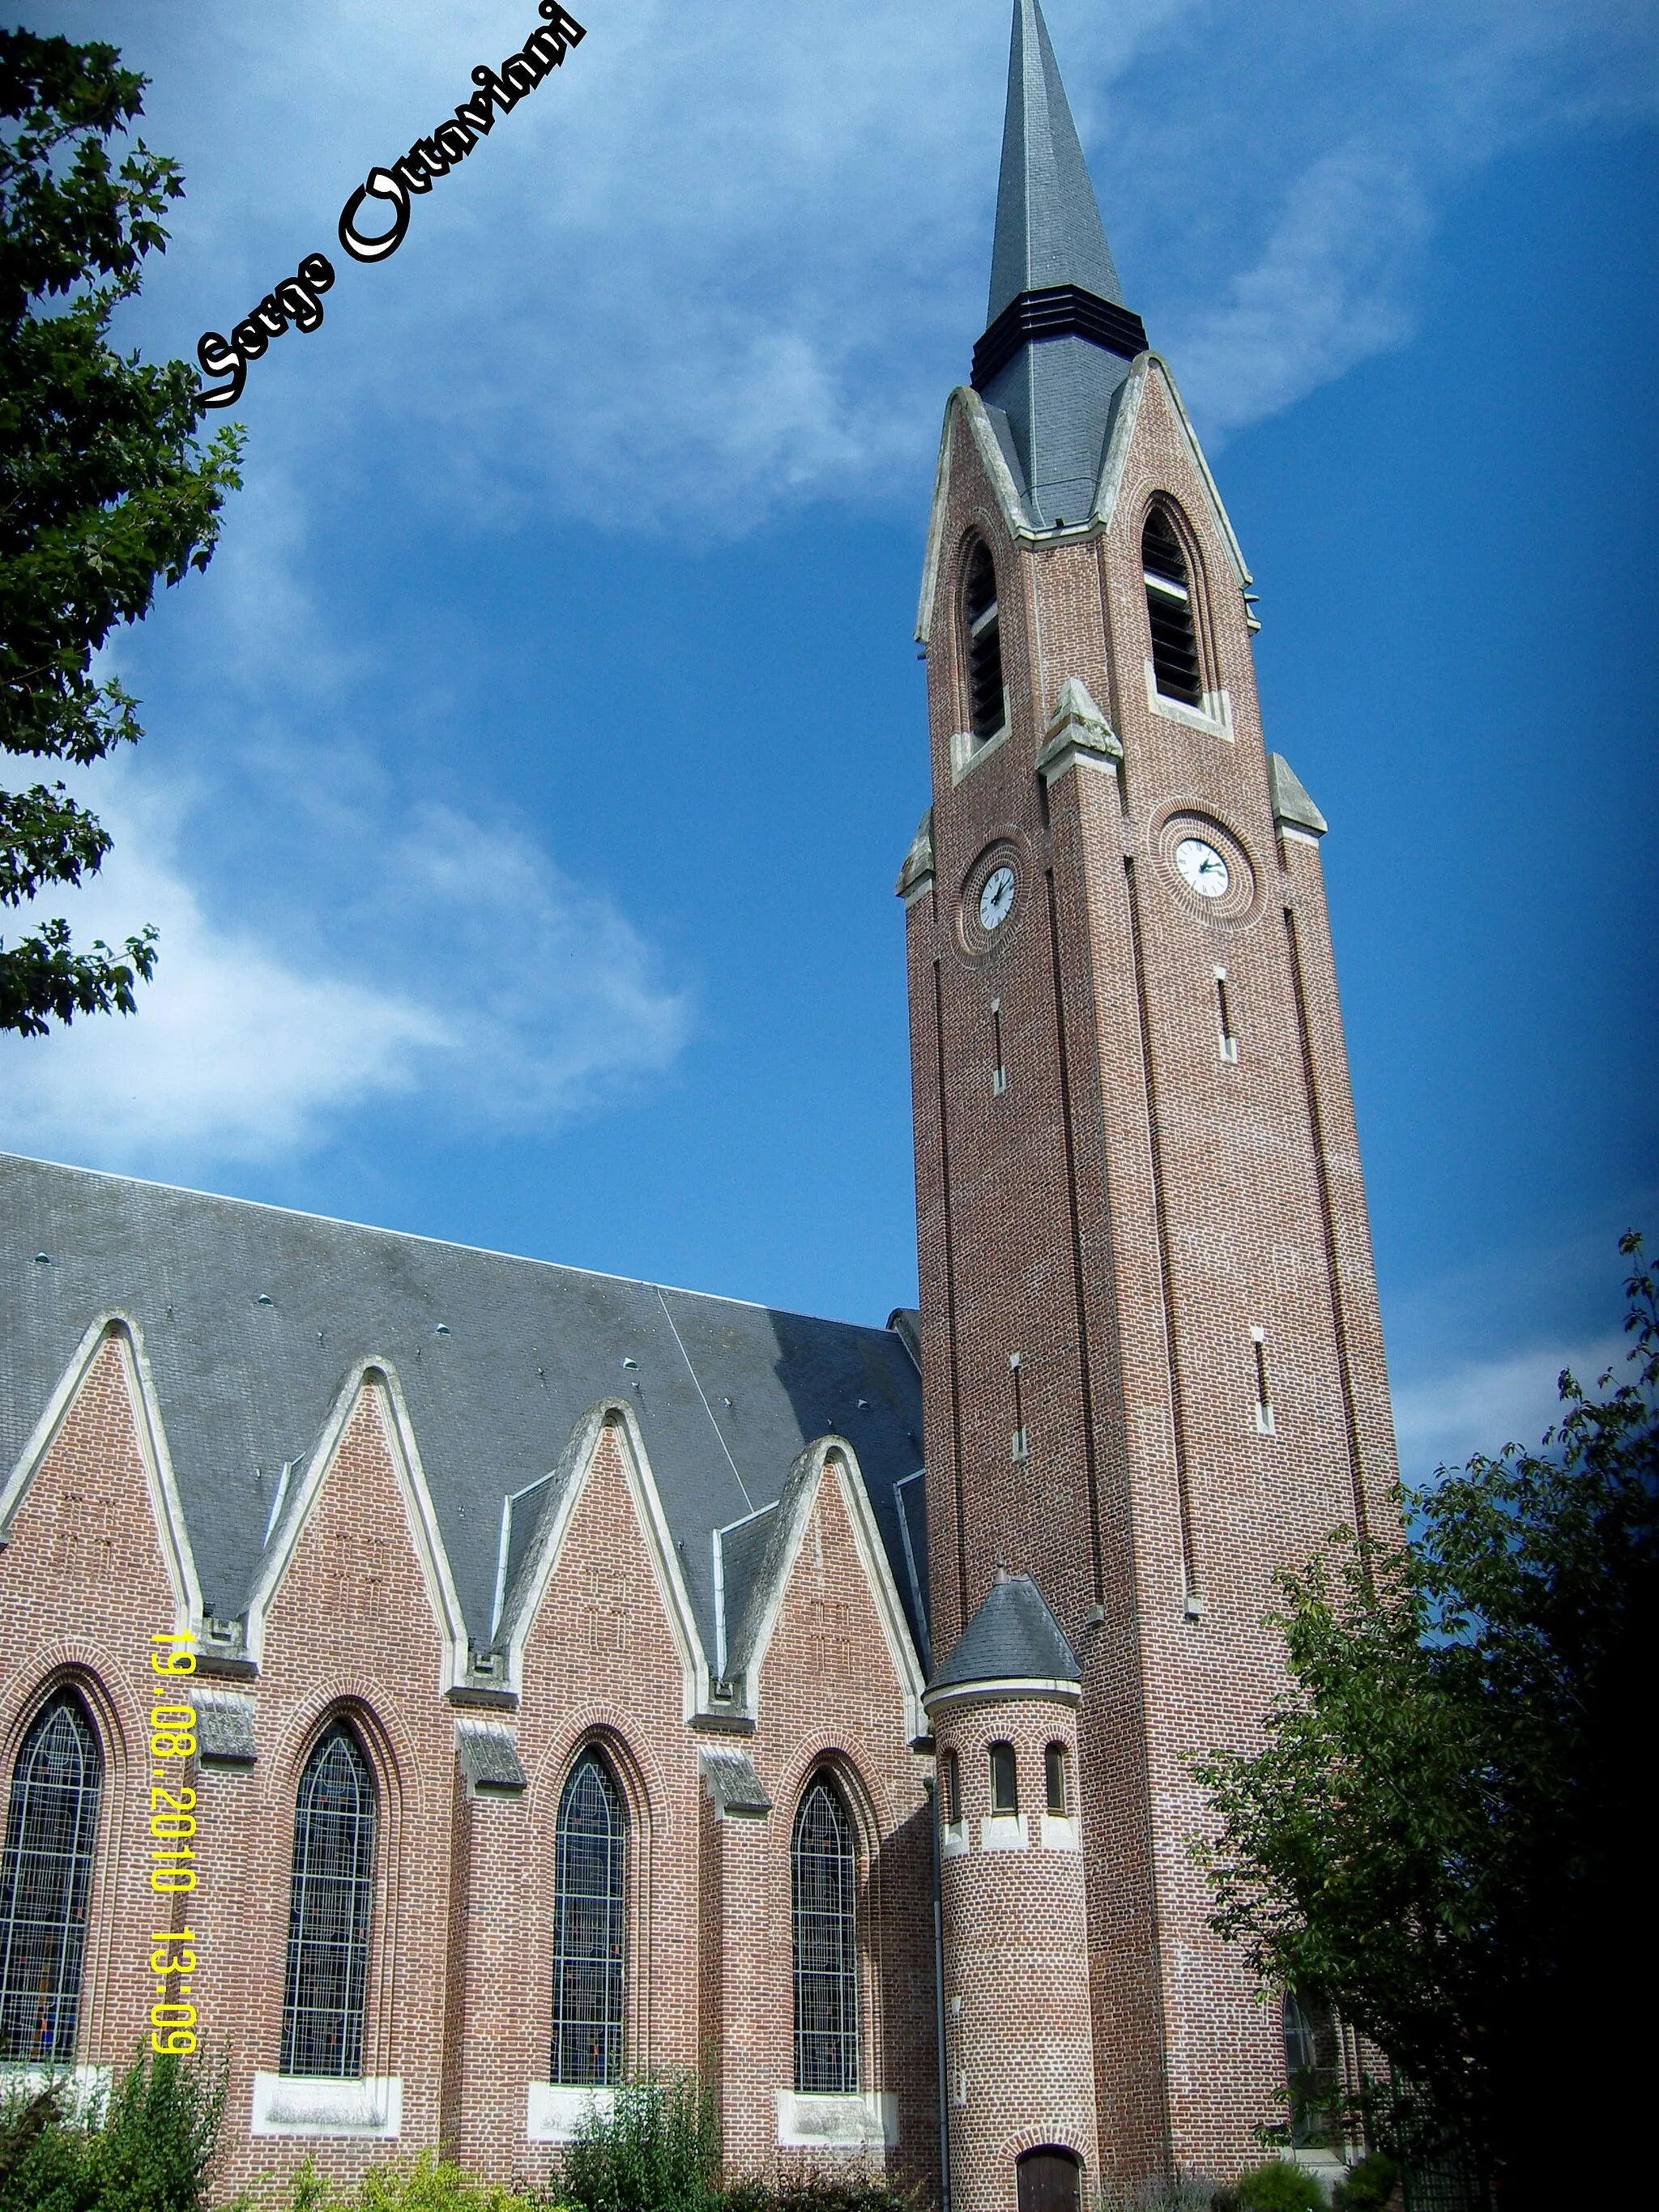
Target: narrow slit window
x,y
1004,1783
1264,1404
1054,1769
46,1880
999,1069
987,701
1169,612
950,1788
1224,1013
1022,1443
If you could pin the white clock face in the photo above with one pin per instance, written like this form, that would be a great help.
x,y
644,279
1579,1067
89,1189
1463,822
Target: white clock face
x,y
1202,867
996,898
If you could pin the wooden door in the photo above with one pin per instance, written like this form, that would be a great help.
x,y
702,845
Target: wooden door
x,y
1049,2181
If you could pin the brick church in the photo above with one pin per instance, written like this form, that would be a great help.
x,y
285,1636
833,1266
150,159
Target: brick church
x,y
593,1678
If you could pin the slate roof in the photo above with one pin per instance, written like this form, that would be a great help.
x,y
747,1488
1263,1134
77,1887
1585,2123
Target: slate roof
x,y
1048,227
1012,1637
1052,404
253,1318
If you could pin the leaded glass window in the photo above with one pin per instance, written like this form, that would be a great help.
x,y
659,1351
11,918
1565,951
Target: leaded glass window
x,y
46,1880
329,1907
590,1921
824,1880
1313,2072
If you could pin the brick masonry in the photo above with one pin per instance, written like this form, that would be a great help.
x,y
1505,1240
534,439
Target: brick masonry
x,y
458,2003
1122,1213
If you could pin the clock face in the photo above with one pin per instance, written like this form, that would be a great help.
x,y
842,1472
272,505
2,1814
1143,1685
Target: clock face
x,y
996,899
1202,867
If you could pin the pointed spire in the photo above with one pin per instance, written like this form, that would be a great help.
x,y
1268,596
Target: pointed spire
x,y
1057,348
1049,227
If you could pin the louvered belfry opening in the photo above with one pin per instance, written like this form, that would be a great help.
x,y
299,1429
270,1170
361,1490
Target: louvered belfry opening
x,y
824,1871
980,617
45,1879
589,1927
1169,612
330,1905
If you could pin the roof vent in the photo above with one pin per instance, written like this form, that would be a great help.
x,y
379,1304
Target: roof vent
x,y
442,1329
263,1298
43,1259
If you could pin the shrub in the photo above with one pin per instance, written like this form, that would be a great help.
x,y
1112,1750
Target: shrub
x,y
426,2183
1187,2192
149,2150
1368,2185
1279,2186
814,2189
657,2149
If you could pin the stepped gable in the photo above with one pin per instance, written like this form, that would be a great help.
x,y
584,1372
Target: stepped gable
x,y
252,1318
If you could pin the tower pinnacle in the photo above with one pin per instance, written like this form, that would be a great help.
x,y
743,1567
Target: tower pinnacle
x,y
1059,339
1048,227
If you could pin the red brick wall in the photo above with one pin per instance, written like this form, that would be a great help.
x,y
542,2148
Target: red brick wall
x,y
1019,2036
459,1987
1123,1215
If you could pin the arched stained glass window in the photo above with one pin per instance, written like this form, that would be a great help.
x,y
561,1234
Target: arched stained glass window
x,y
824,1880
1169,612
590,1922
329,1907
46,1880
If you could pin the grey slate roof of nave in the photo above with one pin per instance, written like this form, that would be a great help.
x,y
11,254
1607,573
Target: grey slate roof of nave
x,y
253,1317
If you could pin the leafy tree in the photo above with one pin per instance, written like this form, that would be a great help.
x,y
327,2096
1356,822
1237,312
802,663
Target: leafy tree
x,y
104,487
150,2150
1446,1834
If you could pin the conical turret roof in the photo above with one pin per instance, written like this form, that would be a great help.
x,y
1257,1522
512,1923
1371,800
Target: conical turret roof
x,y
1012,1637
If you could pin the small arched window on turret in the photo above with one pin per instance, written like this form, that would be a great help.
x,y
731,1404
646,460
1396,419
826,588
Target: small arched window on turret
x,y
987,701
1004,1783
1169,612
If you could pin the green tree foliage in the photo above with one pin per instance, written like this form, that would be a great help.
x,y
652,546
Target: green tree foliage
x,y
104,486
657,2149
150,2151
1445,1836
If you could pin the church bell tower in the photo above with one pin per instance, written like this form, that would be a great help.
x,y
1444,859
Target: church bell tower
x,y
1152,1360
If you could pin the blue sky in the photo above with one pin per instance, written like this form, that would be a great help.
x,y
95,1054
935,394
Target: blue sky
x,y
524,785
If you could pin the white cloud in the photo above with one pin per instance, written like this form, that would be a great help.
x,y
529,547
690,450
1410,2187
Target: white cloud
x,y
467,967
727,261
1482,1405
1328,292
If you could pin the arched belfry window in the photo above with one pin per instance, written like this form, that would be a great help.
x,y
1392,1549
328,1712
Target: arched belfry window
x,y
1169,612
589,1926
823,1872
329,1907
46,1880
982,638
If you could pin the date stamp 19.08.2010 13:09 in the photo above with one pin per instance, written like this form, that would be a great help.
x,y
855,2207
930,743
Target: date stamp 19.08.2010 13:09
x,y
174,1854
